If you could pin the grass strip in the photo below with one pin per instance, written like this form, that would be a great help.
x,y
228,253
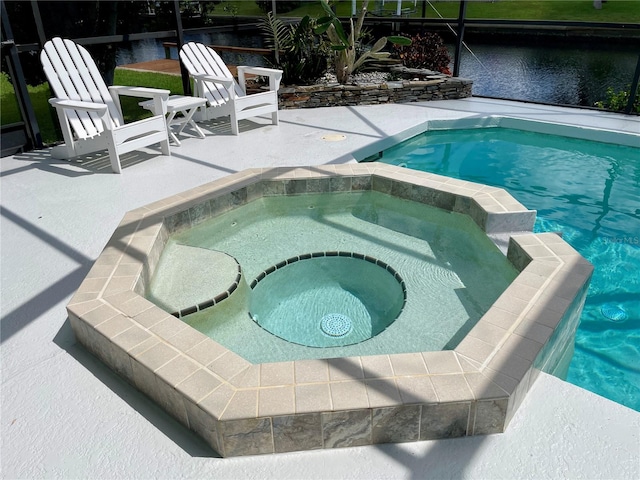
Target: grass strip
x,y
622,11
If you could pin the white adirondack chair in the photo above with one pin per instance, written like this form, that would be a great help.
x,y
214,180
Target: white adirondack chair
x,y
89,112
225,96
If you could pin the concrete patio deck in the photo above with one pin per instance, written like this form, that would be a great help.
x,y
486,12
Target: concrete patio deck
x,y
66,415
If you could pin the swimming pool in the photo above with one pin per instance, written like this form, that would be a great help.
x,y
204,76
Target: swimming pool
x,y
588,191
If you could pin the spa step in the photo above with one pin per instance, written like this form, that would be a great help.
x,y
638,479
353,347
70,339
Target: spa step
x,y
189,279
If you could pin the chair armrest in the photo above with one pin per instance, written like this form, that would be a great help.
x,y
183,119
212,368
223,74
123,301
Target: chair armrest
x,y
159,96
78,105
100,109
262,71
225,81
143,92
274,75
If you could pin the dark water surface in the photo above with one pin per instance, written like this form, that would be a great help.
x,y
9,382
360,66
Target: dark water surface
x,y
559,74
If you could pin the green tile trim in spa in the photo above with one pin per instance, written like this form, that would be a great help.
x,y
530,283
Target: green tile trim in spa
x,y
240,408
306,256
230,276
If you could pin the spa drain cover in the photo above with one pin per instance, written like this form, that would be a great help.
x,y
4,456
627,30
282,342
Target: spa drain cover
x,y
335,325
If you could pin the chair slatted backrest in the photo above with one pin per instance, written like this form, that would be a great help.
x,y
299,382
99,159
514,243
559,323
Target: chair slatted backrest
x,y
73,75
200,59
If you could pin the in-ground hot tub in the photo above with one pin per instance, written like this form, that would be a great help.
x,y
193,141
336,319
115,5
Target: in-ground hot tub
x,y
406,276
243,408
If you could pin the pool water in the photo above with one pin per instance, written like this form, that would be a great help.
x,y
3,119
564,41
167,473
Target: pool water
x,y
590,192
327,301
451,270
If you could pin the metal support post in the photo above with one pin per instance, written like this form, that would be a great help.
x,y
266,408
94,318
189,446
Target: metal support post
x,y
186,84
634,88
37,18
19,83
460,39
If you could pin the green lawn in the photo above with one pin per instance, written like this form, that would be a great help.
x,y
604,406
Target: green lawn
x,y
130,108
40,95
570,10
250,8
623,11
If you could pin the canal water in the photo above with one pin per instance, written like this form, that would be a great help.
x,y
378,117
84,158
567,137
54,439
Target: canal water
x,y
562,74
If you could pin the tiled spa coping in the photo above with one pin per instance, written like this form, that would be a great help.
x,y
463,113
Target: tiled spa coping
x,y
240,408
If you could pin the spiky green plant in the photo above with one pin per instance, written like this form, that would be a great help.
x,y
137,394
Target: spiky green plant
x,y
297,50
276,34
345,57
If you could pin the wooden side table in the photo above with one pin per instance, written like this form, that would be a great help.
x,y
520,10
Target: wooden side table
x,y
187,106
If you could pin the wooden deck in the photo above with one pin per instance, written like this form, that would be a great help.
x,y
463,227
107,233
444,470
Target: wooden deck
x,y
172,67
168,67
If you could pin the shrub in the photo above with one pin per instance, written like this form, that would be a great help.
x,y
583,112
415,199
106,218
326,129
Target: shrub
x,y
349,54
298,51
618,101
427,50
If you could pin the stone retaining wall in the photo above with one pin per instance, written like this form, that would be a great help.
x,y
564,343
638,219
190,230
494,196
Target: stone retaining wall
x,y
421,85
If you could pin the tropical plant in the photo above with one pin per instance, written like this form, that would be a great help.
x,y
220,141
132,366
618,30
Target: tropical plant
x,y
347,55
427,50
618,100
297,50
